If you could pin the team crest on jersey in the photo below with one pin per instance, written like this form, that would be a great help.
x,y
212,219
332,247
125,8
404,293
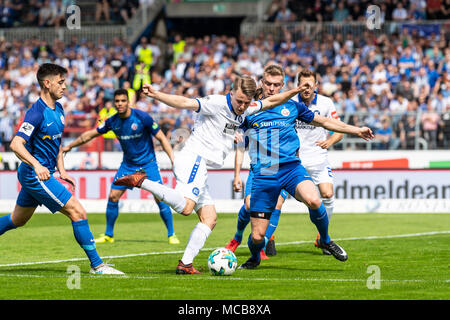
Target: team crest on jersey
x,y
134,126
196,191
285,112
62,119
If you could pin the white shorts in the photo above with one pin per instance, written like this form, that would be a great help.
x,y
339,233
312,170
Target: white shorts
x,y
320,173
192,178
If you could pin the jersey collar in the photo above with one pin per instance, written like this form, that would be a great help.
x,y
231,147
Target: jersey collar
x,y
314,101
230,106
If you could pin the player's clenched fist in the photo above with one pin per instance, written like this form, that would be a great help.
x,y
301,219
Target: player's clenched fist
x,y
148,90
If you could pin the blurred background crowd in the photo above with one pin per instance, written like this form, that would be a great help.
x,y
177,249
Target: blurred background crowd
x,y
397,83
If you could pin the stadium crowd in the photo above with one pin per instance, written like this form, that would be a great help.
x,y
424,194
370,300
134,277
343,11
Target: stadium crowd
x,y
355,10
398,84
53,13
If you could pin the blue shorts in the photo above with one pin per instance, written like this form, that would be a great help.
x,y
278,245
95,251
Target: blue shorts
x,y
248,187
50,193
266,188
151,170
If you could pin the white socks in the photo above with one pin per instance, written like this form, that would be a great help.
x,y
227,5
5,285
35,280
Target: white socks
x,y
165,194
328,203
196,241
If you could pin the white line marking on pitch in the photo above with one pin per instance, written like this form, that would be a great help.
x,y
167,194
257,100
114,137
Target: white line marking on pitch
x,y
217,278
209,249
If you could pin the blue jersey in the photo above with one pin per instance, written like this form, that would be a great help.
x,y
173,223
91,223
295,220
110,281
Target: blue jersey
x,y
135,136
42,128
274,139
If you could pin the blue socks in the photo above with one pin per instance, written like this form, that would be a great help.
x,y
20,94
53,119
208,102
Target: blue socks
x,y
166,216
273,223
243,220
255,249
85,239
112,212
6,224
320,218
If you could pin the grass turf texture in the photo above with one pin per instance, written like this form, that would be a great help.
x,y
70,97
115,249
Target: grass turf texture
x,y
413,267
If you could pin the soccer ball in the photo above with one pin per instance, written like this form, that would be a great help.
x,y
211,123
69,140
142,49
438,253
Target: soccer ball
x,y
222,262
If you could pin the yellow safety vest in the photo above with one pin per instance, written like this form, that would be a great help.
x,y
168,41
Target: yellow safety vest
x,y
178,49
105,114
141,76
146,56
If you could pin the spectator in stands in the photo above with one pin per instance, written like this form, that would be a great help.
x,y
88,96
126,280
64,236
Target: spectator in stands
x,y
385,136
102,8
430,123
399,13
284,14
409,133
6,14
104,114
341,13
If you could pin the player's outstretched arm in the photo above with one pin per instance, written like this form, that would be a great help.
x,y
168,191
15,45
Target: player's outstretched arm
x,y
175,101
165,144
332,140
280,98
84,138
18,147
339,126
238,160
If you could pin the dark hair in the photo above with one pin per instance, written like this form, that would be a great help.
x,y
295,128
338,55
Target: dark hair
x,y
120,92
49,69
305,73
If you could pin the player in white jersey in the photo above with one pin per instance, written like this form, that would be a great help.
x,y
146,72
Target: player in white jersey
x,y
210,142
314,144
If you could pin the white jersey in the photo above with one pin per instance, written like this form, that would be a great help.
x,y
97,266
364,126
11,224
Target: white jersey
x,y
308,134
212,137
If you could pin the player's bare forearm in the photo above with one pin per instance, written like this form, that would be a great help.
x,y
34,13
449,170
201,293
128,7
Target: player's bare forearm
x,y
339,126
335,138
60,162
280,98
18,147
175,101
84,138
238,160
165,144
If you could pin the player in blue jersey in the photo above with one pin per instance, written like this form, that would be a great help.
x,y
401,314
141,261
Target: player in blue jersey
x,y
271,83
37,144
276,166
135,130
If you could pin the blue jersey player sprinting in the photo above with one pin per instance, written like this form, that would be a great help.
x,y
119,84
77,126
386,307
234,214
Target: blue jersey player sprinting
x,y
38,144
275,165
134,130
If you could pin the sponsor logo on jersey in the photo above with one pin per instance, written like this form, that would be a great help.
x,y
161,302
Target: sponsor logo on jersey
x,y
230,128
133,136
54,137
272,124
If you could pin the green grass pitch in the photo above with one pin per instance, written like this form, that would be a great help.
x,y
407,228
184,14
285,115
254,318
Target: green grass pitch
x,y
410,251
